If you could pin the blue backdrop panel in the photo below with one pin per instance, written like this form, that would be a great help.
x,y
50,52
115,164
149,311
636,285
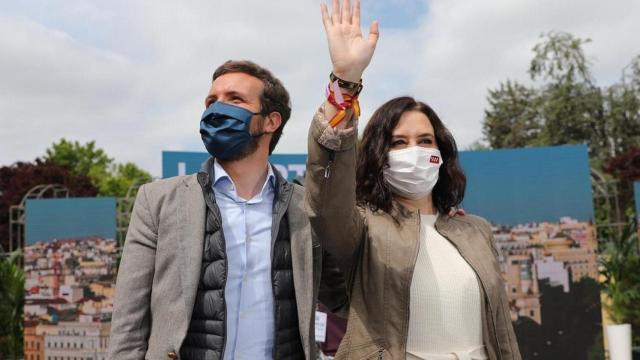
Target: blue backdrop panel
x,y
552,181
48,219
176,163
183,163
542,184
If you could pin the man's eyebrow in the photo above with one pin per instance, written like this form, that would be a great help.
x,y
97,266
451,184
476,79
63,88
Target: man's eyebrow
x,y
235,93
210,98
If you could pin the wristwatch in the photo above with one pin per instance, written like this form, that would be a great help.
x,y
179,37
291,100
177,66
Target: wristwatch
x,y
354,87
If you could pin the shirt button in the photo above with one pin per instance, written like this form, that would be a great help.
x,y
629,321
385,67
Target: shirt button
x,y
172,355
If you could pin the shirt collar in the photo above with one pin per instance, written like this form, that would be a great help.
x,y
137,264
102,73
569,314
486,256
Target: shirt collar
x,y
223,182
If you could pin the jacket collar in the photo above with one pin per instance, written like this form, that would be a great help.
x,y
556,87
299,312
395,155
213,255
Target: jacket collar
x,y
282,186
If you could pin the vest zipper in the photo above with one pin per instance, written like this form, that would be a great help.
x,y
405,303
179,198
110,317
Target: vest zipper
x,y
275,233
224,283
224,298
380,354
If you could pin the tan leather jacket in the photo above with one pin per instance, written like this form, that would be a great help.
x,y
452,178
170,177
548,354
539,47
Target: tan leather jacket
x,y
378,251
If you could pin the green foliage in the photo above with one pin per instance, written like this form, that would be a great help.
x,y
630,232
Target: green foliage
x,y
560,58
621,272
11,307
566,107
511,120
80,159
122,177
110,178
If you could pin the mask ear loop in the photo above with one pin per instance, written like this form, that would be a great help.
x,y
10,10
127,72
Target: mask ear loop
x,y
264,115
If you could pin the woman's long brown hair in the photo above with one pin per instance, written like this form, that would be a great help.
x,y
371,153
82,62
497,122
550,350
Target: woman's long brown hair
x,y
372,191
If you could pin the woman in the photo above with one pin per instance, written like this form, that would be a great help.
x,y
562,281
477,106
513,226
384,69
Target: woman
x,y
423,285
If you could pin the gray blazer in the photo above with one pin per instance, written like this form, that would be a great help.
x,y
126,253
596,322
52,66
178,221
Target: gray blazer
x,y
160,269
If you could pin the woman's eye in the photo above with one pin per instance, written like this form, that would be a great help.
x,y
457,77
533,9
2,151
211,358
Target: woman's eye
x,y
426,141
397,142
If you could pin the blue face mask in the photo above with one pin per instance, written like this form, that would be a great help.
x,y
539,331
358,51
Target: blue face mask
x,y
225,130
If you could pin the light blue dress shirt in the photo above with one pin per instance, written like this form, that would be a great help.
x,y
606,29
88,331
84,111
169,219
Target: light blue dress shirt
x,y
248,291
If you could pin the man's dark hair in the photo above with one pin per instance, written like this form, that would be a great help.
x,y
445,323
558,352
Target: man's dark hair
x,y
372,190
274,96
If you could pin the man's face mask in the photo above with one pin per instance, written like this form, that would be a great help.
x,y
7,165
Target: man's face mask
x,y
225,130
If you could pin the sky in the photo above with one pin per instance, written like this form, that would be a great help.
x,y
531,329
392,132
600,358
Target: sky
x,y
133,75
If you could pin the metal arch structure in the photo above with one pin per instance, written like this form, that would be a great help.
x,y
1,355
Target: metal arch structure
x,y
124,206
17,212
606,194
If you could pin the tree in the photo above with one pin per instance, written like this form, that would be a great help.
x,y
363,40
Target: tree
x,y
625,166
87,159
11,306
123,176
109,178
566,107
511,120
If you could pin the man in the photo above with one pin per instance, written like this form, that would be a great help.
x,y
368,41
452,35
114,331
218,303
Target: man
x,y
222,264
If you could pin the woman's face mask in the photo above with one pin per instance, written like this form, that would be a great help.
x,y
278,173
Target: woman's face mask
x,y
413,172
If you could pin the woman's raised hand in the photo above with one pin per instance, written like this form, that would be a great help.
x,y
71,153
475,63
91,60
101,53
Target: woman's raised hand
x,y
350,51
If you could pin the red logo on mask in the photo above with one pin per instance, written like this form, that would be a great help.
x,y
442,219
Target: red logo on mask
x,y
434,159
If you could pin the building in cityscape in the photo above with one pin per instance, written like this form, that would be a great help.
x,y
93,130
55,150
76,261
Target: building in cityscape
x,y
562,253
69,290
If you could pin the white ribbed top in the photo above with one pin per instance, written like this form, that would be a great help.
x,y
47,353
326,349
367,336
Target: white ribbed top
x,y
445,298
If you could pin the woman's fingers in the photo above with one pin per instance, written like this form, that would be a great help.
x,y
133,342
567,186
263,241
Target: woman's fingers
x,y
374,33
356,13
346,12
335,12
326,19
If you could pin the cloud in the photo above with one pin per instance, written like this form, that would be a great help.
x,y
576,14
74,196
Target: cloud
x,y
133,76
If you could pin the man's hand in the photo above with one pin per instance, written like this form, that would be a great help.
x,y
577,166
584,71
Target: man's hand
x,y
350,52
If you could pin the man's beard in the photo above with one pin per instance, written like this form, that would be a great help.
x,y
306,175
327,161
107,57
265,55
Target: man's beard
x,y
251,147
248,149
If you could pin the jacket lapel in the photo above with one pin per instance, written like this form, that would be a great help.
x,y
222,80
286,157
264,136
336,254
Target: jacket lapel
x,y
302,264
191,222
464,242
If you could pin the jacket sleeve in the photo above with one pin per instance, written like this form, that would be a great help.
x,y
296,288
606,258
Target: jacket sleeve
x,y
130,325
330,185
507,342
333,289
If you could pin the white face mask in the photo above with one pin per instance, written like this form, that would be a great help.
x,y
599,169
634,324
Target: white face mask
x,y
413,171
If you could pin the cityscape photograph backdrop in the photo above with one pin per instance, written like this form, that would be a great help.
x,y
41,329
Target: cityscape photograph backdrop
x,y
70,263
